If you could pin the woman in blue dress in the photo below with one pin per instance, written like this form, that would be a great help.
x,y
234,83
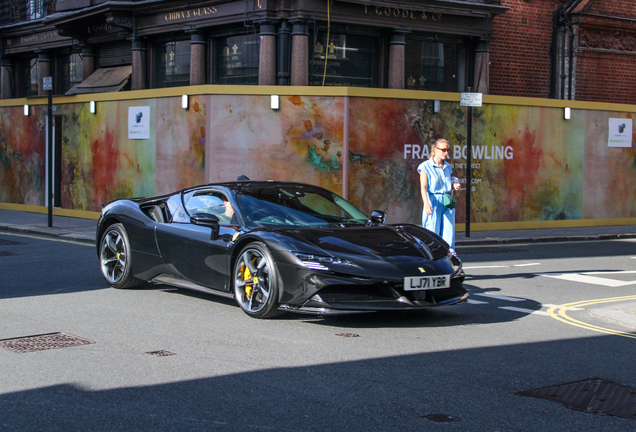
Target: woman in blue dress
x,y
435,180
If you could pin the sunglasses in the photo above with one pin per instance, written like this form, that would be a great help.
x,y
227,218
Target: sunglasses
x,y
445,150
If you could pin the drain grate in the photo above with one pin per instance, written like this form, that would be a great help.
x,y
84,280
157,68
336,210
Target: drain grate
x,y
348,335
487,250
4,242
595,396
7,254
42,342
161,353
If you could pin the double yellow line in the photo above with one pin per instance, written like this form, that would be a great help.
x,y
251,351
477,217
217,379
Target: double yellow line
x,y
560,313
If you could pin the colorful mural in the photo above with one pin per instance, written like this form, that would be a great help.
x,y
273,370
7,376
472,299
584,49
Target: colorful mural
x,y
301,141
22,155
100,162
529,164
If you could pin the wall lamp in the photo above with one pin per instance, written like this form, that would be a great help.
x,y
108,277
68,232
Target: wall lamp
x,y
26,110
567,113
275,103
185,102
91,107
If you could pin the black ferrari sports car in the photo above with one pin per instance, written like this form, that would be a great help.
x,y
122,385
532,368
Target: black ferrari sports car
x,y
275,247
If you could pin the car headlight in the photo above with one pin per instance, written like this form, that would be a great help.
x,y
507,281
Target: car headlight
x,y
320,262
455,262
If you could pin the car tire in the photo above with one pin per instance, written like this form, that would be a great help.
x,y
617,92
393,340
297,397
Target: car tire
x,y
255,282
115,258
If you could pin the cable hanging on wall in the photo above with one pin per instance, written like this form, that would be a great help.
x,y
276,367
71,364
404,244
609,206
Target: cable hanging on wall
x,y
324,74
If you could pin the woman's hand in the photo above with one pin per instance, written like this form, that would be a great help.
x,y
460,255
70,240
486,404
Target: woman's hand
x,y
427,209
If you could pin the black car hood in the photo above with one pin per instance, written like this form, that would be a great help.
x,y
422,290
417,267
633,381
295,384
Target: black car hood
x,y
386,243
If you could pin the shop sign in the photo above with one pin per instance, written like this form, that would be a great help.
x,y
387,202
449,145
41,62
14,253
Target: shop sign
x,y
139,122
620,132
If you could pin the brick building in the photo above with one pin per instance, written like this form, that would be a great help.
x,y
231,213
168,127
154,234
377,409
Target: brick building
x,y
565,49
561,49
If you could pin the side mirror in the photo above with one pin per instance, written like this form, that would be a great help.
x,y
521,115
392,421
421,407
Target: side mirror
x,y
207,220
378,217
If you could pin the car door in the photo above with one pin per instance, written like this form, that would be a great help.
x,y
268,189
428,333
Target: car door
x,y
196,252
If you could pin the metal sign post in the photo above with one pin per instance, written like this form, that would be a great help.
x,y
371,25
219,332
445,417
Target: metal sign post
x,y
47,85
469,100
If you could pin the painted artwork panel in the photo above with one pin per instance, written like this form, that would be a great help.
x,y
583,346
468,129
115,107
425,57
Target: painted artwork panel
x,y
610,172
100,163
180,153
301,141
23,155
527,161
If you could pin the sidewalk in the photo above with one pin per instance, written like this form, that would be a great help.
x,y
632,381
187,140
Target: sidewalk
x,y
84,230
625,315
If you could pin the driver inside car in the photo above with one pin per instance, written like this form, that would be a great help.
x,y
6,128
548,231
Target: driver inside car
x,y
216,205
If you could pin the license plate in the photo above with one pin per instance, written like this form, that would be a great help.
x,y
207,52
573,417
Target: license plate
x,y
415,283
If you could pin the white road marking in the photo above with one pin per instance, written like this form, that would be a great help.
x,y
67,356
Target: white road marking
x,y
586,278
500,297
471,301
501,266
523,310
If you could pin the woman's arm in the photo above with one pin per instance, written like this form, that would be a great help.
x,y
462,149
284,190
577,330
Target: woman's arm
x,y
424,190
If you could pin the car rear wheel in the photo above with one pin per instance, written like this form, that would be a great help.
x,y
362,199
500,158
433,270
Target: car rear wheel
x,y
256,287
115,258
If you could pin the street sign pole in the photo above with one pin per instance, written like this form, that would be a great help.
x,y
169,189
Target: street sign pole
x,y
47,85
469,100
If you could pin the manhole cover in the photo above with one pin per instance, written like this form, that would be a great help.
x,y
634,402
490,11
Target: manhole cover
x,y
42,342
487,250
4,242
7,253
595,396
161,353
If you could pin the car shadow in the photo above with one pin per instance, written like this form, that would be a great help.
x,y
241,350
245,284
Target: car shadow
x,y
478,310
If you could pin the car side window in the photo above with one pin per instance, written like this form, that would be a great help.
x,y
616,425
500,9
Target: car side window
x,y
210,202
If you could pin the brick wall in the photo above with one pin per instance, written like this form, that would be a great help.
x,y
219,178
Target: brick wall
x,y
520,54
521,60
617,8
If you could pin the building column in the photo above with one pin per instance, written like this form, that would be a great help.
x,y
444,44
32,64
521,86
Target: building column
x,y
6,90
397,47
88,62
267,54
482,66
284,51
138,79
197,57
44,70
300,52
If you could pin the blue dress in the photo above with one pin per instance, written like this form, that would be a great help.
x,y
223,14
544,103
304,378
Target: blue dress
x,y
442,220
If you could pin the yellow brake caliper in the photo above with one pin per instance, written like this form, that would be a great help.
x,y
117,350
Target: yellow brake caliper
x,y
247,275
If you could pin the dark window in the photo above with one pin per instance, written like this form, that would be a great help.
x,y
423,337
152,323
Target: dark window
x,y
172,64
12,11
69,72
434,65
27,77
237,60
351,60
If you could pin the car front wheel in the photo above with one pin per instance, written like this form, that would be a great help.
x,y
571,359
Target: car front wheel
x,y
255,281
115,258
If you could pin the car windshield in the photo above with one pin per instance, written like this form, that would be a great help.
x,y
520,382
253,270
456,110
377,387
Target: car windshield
x,y
296,205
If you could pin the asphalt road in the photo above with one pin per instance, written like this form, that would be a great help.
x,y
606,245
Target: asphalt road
x,y
521,330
